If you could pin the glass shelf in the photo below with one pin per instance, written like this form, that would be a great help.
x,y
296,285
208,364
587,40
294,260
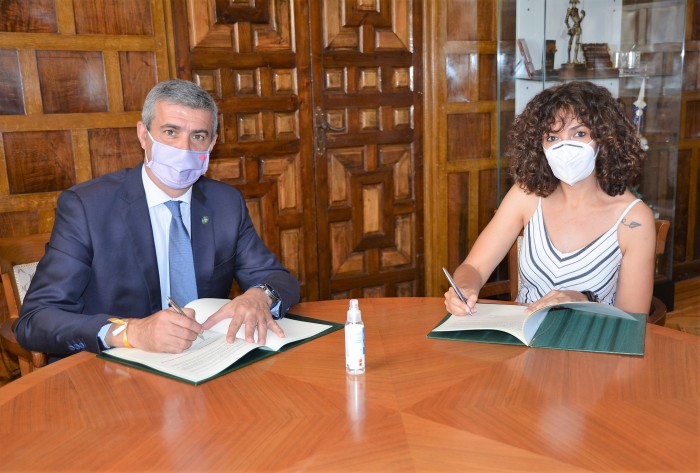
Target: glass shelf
x,y
586,74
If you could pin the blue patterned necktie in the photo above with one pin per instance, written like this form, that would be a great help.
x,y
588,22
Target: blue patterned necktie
x,y
183,285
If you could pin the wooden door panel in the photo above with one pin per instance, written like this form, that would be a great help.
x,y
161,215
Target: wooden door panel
x,y
369,157
253,57
463,118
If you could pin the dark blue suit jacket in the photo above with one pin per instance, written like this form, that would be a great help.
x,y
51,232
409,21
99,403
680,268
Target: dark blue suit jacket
x,y
101,262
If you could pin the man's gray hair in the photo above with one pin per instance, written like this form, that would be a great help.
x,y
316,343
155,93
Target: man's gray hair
x,y
181,92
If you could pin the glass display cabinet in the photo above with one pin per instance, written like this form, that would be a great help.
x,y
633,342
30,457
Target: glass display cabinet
x,y
634,48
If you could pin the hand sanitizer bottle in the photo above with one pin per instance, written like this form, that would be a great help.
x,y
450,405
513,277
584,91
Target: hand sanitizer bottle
x,y
354,340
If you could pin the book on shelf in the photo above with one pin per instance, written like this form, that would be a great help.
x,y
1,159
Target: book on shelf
x,y
526,58
578,326
212,356
597,55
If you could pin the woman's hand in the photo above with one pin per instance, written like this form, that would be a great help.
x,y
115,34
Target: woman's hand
x,y
454,304
555,297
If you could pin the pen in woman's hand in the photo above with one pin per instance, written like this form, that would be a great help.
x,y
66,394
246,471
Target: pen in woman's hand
x,y
179,310
457,291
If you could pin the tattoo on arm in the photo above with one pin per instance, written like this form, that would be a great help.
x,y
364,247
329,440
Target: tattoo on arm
x,y
631,224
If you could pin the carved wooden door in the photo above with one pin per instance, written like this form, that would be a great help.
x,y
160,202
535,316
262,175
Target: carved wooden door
x,y
250,55
366,91
338,197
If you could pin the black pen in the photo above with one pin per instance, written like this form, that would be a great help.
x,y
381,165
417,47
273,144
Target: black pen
x,y
454,286
179,310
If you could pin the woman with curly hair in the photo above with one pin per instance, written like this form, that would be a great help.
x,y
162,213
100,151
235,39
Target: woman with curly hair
x,y
573,153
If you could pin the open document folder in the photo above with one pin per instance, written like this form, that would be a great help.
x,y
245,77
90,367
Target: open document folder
x,y
580,326
211,356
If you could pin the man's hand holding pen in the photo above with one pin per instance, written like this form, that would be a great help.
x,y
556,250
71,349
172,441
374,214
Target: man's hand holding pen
x,y
166,331
176,307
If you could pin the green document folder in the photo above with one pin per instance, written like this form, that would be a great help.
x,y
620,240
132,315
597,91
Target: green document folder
x,y
250,357
574,327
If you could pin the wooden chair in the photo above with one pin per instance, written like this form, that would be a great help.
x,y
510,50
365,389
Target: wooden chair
x,y
657,312
18,258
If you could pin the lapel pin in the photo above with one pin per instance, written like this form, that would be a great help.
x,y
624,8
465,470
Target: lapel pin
x,y
205,220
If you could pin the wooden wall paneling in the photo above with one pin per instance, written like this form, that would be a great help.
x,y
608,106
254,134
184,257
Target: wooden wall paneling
x,y
254,58
458,223
367,69
112,149
30,16
62,75
436,233
462,113
11,99
39,161
73,76
31,89
72,83
106,17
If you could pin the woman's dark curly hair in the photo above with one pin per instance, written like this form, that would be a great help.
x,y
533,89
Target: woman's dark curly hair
x,y
619,160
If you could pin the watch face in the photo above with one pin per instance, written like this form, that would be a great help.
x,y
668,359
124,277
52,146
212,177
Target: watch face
x,y
269,292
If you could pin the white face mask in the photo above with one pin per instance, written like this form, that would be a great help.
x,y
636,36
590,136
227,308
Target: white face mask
x,y
571,161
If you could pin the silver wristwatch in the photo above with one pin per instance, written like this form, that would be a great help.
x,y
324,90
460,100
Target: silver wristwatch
x,y
270,292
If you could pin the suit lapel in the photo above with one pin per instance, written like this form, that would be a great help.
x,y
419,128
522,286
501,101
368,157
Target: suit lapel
x,y
137,221
202,226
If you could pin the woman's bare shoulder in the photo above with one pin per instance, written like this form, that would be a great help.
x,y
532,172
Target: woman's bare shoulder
x,y
637,226
639,211
518,196
520,203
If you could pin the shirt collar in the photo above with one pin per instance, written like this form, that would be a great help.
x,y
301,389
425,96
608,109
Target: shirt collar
x,y
156,196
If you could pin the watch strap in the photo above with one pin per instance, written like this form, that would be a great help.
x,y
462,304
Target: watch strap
x,y
591,296
269,291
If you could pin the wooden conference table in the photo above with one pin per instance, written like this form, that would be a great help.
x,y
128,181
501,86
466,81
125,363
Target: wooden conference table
x,y
423,405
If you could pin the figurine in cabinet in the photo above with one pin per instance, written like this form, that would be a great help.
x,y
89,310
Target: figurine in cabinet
x,y
574,30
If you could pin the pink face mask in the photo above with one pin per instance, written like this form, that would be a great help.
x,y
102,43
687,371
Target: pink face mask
x,y
176,168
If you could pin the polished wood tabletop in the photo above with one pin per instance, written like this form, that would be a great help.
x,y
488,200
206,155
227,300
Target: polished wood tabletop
x,y
423,405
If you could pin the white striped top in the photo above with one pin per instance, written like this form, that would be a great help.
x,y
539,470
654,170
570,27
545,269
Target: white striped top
x,y
542,267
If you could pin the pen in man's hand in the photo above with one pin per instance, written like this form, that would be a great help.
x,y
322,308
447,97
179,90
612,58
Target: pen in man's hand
x,y
179,310
459,293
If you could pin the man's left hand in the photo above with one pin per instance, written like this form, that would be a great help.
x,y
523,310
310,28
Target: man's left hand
x,y
251,308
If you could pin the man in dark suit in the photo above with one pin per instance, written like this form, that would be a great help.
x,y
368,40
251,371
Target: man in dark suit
x,y
106,275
